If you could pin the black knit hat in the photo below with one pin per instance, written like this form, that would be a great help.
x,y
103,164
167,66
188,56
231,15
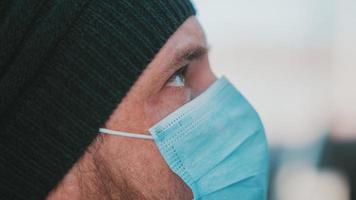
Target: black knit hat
x,y
64,67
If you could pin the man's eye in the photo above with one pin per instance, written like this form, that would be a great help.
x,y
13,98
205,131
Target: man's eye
x,y
178,78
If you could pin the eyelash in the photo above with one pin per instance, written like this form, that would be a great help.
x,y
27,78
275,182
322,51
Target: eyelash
x,y
182,70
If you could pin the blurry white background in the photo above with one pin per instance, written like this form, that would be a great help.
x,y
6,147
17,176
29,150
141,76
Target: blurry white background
x,y
295,60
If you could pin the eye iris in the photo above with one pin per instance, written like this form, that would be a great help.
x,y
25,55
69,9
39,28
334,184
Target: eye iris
x,y
178,79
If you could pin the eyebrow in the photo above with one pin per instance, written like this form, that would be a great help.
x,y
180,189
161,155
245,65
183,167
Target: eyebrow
x,y
190,54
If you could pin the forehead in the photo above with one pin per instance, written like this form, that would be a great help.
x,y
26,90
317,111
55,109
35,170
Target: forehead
x,y
189,39
189,34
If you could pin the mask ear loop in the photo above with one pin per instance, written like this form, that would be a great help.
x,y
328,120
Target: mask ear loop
x,y
125,134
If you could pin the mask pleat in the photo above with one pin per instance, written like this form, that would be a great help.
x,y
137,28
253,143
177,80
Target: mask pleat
x,y
240,165
244,190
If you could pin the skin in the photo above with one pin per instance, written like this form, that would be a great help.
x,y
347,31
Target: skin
x,y
115,167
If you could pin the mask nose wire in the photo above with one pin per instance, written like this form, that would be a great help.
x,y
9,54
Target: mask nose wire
x,y
125,134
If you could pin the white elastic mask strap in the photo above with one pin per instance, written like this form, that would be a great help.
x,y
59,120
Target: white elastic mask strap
x,y
125,134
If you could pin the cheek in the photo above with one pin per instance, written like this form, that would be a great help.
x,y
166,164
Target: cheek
x,y
167,101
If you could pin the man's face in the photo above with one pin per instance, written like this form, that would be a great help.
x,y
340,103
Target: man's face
x,y
159,91
178,73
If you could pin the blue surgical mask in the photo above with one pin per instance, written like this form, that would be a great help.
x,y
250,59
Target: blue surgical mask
x,y
216,144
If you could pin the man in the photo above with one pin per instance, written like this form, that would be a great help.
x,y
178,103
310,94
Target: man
x,y
69,68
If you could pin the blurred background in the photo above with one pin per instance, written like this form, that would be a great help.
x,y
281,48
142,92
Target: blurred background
x,y
295,60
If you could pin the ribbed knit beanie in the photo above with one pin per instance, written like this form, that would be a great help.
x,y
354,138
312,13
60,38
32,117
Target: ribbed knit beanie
x,y
64,67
